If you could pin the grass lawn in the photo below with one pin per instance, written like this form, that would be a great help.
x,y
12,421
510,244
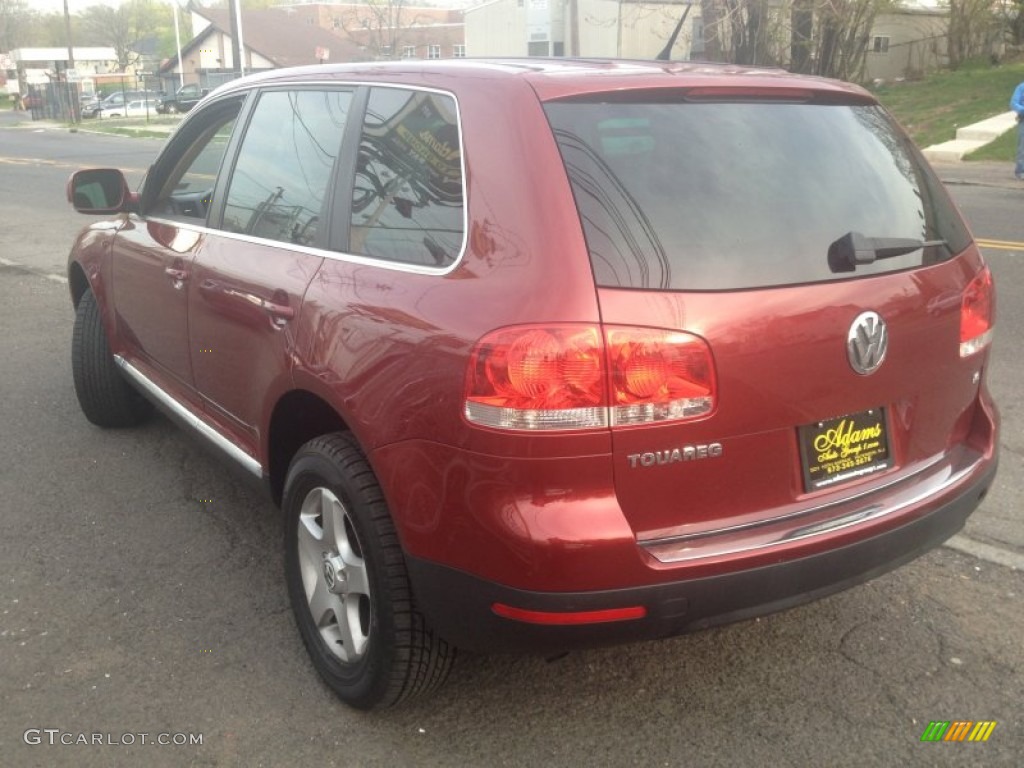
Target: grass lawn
x,y
932,109
1004,148
158,126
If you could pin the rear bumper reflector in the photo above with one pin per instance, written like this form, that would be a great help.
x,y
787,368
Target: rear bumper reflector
x,y
566,618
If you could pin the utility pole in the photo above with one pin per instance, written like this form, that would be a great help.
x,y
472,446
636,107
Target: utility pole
x,y
574,28
72,106
177,42
236,24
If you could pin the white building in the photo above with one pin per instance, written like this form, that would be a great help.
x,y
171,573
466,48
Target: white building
x,y
628,29
38,65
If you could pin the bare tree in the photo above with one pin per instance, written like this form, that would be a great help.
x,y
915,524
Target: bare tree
x,y
1011,12
711,12
842,31
14,22
801,46
121,27
973,28
380,26
822,37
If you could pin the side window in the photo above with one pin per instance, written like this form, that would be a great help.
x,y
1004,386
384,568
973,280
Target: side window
x,y
407,203
186,191
284,165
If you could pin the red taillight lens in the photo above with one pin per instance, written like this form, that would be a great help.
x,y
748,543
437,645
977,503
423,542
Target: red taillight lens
x,y
557,377
977,314
538,378
658,375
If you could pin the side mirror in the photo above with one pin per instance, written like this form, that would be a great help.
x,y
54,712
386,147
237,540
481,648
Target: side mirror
x,y
100,191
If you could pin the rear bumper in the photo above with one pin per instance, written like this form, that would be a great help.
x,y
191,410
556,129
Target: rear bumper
x,y
460,606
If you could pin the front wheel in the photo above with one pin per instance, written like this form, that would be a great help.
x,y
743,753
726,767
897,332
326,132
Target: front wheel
x,y
106,399
348,584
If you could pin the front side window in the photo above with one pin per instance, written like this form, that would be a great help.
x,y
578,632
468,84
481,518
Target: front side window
x,y
678,195
407,202
284,166
181,187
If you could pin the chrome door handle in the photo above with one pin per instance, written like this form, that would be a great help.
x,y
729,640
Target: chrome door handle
x,y
279,311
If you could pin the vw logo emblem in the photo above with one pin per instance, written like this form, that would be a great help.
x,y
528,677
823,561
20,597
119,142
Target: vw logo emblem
x,y
867,342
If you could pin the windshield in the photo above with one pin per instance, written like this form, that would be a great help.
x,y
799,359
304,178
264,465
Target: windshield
x,y
712,196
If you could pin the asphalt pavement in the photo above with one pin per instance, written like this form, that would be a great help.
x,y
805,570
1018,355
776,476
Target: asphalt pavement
x,y
140,592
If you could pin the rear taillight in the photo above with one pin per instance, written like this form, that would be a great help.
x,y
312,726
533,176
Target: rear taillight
x,y
576,377
977,314
658,375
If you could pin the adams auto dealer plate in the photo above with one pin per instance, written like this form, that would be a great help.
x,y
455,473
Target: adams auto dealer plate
x,y
845,448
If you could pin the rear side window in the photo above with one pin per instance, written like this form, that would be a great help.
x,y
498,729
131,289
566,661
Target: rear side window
x,y
407,203
284,165
714,196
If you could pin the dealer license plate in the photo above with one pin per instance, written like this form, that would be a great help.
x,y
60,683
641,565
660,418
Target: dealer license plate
x,y
846,448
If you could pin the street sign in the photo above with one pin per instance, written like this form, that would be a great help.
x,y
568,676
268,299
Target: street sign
x,y
322,54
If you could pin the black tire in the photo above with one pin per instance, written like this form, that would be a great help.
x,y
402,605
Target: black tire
x,y
391,655
106,399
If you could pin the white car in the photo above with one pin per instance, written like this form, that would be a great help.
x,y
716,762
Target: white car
x,y
135,108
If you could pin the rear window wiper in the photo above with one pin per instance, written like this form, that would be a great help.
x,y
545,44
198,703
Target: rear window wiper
x,y
853,248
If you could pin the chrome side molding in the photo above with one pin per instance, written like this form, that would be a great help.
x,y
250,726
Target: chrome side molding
x,y
189,418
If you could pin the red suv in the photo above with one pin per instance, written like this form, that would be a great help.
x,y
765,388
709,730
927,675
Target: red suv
x,y
540,354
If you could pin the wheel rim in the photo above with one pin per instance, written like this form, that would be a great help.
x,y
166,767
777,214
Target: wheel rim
x,y
334,575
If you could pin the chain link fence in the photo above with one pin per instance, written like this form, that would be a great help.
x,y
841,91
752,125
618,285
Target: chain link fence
x,y
61,100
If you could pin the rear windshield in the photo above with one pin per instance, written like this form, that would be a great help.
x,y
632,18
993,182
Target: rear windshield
x,y
713,196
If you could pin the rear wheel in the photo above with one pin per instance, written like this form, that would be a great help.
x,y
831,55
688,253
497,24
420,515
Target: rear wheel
x,y
106,399
348,584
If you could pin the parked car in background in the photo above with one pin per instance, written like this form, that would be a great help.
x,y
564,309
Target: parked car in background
x,y
690,344
181,100
136,108
117,100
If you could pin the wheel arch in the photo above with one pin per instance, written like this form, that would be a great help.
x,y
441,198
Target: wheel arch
x,y
78,283
298,417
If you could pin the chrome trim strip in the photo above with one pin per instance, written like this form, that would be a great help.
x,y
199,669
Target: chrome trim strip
x,y
337,255
190,419
698,546
806,512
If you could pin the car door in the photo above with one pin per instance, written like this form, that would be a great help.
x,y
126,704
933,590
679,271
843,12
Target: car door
x,y
249,280
153,254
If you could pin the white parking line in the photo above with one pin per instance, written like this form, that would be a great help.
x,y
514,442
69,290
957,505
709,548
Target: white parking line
x,y
997,555
29,270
